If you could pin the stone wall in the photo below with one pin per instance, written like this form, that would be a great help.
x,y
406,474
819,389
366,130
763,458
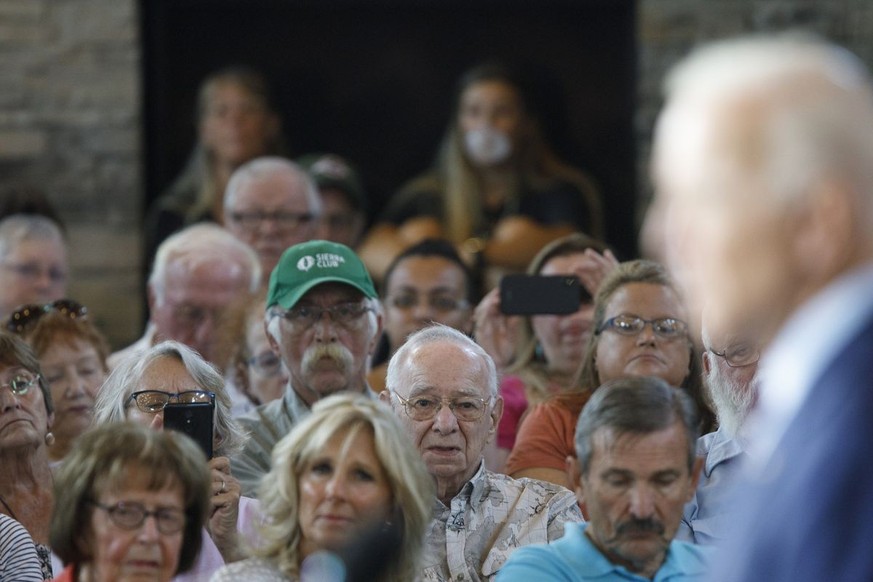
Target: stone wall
x,y
70,101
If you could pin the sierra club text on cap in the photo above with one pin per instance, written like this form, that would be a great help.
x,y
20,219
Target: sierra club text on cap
x,y
312,263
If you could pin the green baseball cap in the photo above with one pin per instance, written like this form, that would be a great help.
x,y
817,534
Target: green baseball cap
x,y
312,263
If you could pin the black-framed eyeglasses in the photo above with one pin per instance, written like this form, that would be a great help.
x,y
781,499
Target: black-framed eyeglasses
x,y
153,401
21,383
131,516
302,317
27,315
738,355
630,325
466,408
266,364
285,220
438,302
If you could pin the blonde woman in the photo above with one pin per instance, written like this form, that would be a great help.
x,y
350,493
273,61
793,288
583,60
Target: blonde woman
x,y
341,474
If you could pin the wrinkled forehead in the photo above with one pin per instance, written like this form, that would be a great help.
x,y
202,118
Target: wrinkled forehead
x,y
446,373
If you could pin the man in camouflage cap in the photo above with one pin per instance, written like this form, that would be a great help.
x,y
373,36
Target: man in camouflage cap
x,y
443,387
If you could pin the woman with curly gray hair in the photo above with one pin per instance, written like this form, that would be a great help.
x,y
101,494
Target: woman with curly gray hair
x,y
340,476
139,388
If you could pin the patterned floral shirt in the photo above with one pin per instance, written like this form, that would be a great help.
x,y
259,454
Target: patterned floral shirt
x,y
488,519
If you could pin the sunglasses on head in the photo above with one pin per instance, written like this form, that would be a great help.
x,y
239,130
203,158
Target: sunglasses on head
x,y
28,315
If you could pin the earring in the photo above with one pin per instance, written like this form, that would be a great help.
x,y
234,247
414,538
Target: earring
x,y
49,439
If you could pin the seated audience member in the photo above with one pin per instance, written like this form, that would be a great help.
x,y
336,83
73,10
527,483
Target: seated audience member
x,y
730,366
427,283
26,414
443,387
198,274
271,204
341,475
139,388
343,200
540,355
496,189
33,262
324,320
640,329
256,374
18,558
129,505
634,469
72,354
237,121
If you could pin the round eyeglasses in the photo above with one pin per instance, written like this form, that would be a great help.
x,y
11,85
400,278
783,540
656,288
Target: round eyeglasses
x,y
465,408
738,355
21,383
131,516
152,401
630,325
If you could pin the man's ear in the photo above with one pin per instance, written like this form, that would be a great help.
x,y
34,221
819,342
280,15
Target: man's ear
x,y
706,360
274,344
385,397
496,415
374,341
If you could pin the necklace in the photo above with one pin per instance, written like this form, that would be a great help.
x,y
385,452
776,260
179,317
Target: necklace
x,y
8,509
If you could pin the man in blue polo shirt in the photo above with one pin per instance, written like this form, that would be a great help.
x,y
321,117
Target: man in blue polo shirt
x,y
635,470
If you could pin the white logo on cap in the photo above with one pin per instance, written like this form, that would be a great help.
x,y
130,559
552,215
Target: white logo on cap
x,y
329,260
305,263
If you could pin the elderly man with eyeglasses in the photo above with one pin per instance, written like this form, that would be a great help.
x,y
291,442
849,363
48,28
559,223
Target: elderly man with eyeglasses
x,y
730,368
323,319
271,204
443,387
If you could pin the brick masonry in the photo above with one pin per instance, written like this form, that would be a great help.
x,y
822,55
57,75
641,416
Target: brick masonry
x,y
70,101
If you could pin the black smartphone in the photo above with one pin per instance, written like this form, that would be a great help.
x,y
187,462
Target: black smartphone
x,y
195,420
541,294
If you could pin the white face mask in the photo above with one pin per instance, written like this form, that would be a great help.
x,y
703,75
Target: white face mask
x,y
487,146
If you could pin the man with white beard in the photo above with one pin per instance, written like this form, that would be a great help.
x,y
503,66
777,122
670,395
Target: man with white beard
x,y
730,365
323,319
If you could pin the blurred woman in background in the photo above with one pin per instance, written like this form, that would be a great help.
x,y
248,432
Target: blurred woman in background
x,y
540,355
497,191
72,354
236,122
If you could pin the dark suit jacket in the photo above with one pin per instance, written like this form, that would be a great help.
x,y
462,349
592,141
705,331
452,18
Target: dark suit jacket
x,y
810,516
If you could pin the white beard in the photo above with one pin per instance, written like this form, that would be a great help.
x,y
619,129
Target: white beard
x,y
733,402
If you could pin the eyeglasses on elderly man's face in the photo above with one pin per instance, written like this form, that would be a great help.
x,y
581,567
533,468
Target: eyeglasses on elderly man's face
x,y
465,408
738,355
284,220
154,401
302,317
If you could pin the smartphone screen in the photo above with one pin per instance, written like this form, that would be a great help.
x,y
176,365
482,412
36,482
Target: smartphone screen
x,y
195,420
540,294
